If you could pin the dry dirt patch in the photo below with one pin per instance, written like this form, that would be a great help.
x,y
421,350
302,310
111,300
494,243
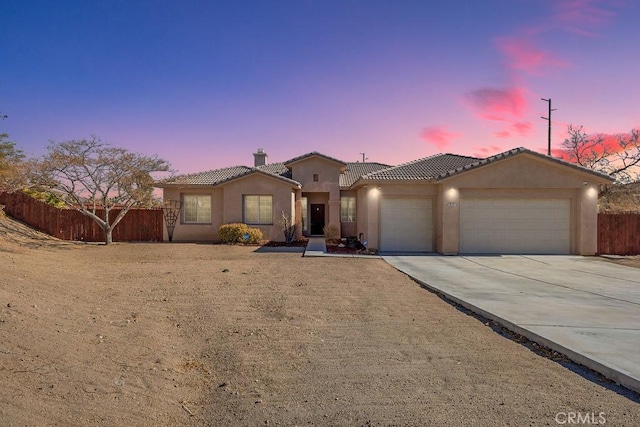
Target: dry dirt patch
x,y
187,334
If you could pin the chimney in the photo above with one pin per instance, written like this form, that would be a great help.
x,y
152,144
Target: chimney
x,y
259,158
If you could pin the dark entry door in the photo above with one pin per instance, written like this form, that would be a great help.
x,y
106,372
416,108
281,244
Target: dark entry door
x,y
317,219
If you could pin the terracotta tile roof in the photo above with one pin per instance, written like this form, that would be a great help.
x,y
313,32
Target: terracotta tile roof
x,y
422,169
356,170
314,153
219,176
211,177
482,162
438,167
276,169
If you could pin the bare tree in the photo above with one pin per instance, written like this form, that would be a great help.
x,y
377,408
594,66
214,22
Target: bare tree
x,y
96,178
618,156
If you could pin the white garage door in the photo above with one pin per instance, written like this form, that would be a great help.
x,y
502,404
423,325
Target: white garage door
x,y
406,225
515,226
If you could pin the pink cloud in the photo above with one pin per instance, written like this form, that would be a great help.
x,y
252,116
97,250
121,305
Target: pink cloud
x,y
488,151
610,142
515,129
498,104
505,105
582,16
524,56
522,128
438,136
558,153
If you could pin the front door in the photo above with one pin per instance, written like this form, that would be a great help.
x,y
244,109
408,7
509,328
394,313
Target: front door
x,y
317,219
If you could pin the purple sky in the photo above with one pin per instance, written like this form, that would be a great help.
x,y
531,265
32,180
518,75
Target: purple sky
x,y
204,83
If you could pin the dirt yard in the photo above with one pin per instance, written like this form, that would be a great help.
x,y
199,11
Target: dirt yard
x,y
188,334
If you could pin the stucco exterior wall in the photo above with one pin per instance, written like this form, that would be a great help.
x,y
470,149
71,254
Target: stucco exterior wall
x,y
258,184
184,232
328,182
588,216
368,214
349,228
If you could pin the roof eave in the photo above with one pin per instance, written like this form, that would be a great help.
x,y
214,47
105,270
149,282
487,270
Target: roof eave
x,y
369,181
293,183
343,165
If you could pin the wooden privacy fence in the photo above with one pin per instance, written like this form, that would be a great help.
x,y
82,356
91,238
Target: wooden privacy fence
x,y
619,234
138,225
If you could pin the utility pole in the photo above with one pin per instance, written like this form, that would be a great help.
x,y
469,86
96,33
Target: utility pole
x,y
549,120
363,158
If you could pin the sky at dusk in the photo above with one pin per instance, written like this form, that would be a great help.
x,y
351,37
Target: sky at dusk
x,y
204,83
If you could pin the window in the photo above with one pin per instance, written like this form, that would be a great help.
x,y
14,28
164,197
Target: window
x,y
258,209
197,209
315,177
347,209
303,213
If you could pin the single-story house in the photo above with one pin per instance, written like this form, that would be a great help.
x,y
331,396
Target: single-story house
x,y
518,201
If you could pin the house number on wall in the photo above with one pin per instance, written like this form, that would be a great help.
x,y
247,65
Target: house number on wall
x,y
451,204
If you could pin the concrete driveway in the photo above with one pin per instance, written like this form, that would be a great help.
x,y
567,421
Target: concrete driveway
x,y
583,307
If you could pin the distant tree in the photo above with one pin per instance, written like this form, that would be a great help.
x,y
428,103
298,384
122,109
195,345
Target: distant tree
x,y
12,164
617,155
92,176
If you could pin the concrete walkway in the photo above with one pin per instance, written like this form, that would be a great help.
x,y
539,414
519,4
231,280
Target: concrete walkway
x,y
317,246
582,307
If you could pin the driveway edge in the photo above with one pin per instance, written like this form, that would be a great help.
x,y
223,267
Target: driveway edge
x,y
610,373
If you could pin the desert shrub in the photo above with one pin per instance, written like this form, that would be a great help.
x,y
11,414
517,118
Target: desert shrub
x,y
331,232
255,235
235,233
288,228
232,233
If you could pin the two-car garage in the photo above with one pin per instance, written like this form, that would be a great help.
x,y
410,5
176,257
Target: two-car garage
x,y
487,225
516,202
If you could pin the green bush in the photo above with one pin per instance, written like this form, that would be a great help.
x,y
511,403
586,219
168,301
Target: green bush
x,y
235,233
46,197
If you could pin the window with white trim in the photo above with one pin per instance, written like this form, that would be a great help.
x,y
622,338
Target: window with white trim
x,y
196,209
348,209
258,209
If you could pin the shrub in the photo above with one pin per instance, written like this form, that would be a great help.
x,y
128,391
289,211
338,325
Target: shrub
x,y
232,233
331,232
235,233
288,228
46,197
255,235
